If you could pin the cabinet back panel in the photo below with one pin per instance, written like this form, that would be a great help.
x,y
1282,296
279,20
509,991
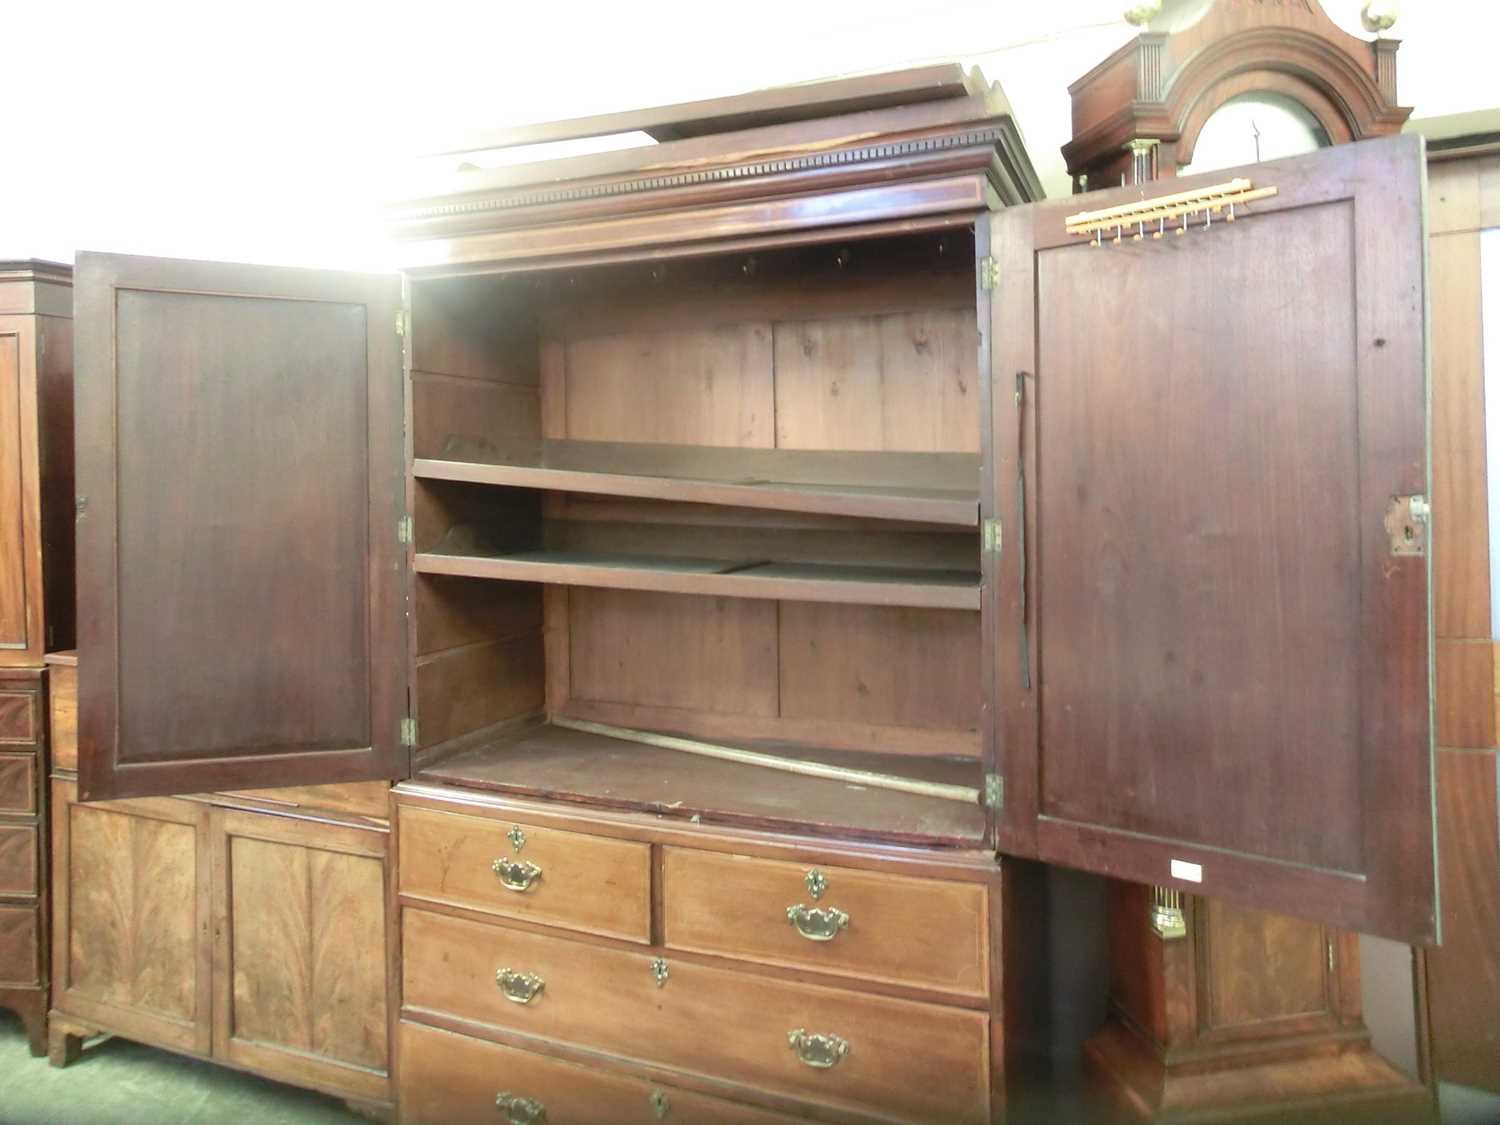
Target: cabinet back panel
x,y
200,552
845,677
689,385
1212,672
905,381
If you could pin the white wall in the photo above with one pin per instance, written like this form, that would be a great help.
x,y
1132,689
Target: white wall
x,y
272,131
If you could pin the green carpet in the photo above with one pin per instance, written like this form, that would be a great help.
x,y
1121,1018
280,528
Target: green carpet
x,y
117,1082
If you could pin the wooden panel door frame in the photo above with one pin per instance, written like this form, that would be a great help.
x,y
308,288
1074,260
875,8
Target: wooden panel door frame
x,y
23,329
366,840
71,1007
1395,893
100,278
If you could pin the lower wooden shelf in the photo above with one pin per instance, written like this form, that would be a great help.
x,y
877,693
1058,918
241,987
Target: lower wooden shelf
x,y
785,581
590,769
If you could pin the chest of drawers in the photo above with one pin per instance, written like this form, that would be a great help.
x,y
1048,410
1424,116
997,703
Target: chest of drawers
x,y
807,979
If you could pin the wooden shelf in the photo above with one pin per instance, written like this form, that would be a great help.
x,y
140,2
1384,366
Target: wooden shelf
x,y
589,769
807,582
936,488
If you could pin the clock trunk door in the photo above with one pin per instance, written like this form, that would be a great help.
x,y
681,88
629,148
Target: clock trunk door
x,y
1212,620
241,478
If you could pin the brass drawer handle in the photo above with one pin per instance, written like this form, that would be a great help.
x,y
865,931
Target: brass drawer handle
x,y
521,988
818,1051
519,1110
817,923
516,874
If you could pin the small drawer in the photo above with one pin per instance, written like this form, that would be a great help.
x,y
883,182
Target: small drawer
x,y
899,928
17,782
18,871
449,1079
20,959
589,883
914,1061
19,723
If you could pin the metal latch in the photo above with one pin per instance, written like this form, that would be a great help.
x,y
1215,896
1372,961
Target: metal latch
x,y
992,537
989,273
994,790
1407,521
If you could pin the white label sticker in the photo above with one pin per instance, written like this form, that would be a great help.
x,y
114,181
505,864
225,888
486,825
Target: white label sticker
x,y
1190,872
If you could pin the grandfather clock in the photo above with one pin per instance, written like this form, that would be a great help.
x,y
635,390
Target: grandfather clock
x,y
1217,1012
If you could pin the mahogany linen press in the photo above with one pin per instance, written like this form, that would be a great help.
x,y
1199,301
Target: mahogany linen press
x,y
734,545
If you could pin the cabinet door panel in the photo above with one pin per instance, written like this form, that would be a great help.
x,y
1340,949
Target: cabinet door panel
x,y
301,988
1211,660
240,474
15,548
130,938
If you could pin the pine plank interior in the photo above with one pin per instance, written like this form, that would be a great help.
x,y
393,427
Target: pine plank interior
x,y
734,500
590,769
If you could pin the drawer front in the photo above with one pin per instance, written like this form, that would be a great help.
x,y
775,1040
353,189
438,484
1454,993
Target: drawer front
x,y
18,860
18,718
20,958
17,782
921,1062
589,883
869,924
449,1079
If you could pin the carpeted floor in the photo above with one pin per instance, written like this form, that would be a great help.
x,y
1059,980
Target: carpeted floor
x,y
117,1082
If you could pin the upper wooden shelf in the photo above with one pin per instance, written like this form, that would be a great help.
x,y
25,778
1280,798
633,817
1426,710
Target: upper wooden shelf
x,y
748,578
935,488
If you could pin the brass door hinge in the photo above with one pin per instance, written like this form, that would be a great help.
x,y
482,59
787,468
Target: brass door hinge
x,y
403,322
409,732
403,530
994,790
989,273
993,535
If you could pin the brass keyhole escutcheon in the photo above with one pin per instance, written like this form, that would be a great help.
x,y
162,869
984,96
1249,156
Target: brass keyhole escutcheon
x,y
659,971
816,882
516,837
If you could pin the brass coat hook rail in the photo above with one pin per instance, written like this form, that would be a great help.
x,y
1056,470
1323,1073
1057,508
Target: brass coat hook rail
x,y
1153,215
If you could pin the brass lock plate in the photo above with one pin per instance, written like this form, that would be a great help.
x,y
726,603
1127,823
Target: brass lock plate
x,y
1406,522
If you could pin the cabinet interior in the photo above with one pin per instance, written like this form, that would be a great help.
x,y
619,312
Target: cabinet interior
x,y
732,498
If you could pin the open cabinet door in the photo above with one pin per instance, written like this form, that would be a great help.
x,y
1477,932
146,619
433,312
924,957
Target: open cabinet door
x,y
241,479
1212,641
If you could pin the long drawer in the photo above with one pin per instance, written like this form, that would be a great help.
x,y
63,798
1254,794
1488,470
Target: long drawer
x,y
590,883
900,1058
18,860
452,1079
869,924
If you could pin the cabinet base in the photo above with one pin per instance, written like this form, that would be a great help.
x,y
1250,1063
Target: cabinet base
x,y
65,1040
1351,1083
31,1005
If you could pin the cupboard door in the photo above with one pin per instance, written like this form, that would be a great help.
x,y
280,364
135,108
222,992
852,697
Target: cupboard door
x,y
130,938
1212,654
241,478
301,951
